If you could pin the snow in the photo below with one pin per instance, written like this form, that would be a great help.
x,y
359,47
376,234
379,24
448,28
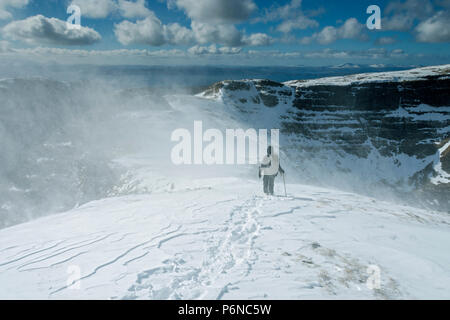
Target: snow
x,y
423,112
209,233
444,148
227,241
396,76
427,108
441,175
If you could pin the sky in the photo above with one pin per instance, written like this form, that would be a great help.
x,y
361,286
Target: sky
x,y
225,32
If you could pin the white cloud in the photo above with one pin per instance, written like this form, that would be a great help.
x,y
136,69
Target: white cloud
x,y
277,13
216,11
45,51
177,34
99,9
300,23
4,46
225,34
351,29
421,17
5,5
258,39
96,9
401,16
370,54
373,54
148,31
151,31
327,35
385,41
40,29
213,50
134,9
212,22
291,16
230,50
96,57
398,22
327,54
204,54
434,29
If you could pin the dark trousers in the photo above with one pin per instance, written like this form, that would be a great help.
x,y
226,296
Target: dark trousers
x,y
269,182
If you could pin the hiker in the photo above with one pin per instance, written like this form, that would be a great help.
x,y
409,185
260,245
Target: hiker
x,y
270,167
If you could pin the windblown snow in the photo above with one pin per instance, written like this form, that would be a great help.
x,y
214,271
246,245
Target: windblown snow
x,y
165,232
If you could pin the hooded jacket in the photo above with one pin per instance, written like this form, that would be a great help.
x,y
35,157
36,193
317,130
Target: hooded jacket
x,y
270,165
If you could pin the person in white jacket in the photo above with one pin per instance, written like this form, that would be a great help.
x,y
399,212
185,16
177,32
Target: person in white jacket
x,y
269,169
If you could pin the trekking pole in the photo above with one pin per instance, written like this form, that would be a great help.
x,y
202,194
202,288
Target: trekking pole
x,y
284,181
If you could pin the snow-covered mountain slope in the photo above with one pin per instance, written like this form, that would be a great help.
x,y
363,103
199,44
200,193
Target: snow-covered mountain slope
x,y
377,133
439,72
224,240
135,226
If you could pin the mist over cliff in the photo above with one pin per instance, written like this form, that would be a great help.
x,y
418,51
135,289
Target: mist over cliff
x,y
93,207
65,143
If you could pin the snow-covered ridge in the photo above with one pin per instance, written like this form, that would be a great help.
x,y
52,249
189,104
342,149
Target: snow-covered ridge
x,y
226,241
441,72
208,233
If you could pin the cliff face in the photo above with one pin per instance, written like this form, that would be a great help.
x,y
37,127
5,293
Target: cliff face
x,y
370,132
397,117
